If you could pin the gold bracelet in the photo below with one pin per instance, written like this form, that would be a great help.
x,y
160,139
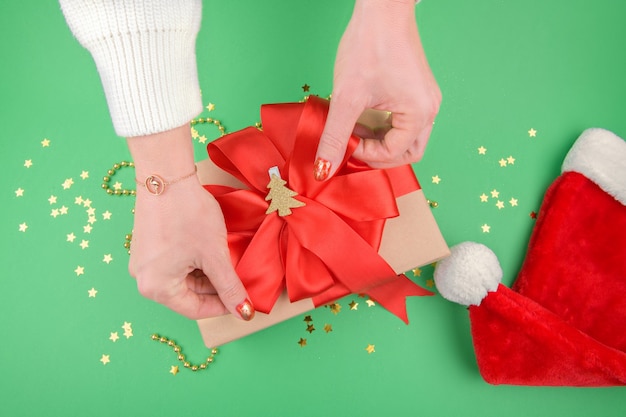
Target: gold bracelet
x,y
155,185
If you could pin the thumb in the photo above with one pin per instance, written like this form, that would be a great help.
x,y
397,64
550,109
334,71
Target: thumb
x,y
342,117
231,291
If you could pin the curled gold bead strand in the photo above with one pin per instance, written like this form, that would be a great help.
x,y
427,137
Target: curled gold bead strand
x,y
210,120
110,173
181,356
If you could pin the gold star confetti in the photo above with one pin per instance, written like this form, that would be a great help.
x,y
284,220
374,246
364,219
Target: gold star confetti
x,y
117,185
128,330
127,326
105,359
28,163
500,205
107,258
202,139
510,160
335,308
194,133
210,107
92,292
87,229
370,302
486,228
23,227
495,193
430,283
84,244
52,199
67,184
353,305
416,272
63,210
502,162
84,175
483,198
54,213
328,328
71,237
370,349
482,150
19,192
532,133
91,219
78,200
306,88
128,333
114,337
107,215
302,342
174,370
86,202
310,328
533,215
80,270
45,143
307,319
513,202
436,179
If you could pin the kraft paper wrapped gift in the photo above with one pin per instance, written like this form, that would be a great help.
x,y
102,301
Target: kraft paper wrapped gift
x,y
311,243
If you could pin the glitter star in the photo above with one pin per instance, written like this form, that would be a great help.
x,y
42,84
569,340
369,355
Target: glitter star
x,y
500,205
194,133
105,359
117,185
483,198
107,215
80,270
202,139
502,162
210,107
87,229
90,211
436,179
370,302
486,228
45,143
370,349
510,160
416,272
107,258
307,319
127,326
86,202
495,193
63,210
52,199
302,342
174,370
335,308
430,283
532,133
19,192
67,184
23,227
28,163
114,336
306,88
84,175
310,328
78,200
128,333
482,150
513,202
533,215
328,328
92,219
71,237
54,213
92,293
353,305
84,244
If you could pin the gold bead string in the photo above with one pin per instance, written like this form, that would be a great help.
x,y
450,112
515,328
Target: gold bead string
x,y
110,173
181,356
209,120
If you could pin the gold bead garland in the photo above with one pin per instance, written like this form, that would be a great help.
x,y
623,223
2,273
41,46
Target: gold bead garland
x,y
107,178
181,357
203,120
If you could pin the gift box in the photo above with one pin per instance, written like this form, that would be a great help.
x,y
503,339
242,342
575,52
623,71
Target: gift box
x,y
297,243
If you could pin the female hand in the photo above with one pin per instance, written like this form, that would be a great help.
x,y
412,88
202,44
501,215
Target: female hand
x,y
179,251
380,64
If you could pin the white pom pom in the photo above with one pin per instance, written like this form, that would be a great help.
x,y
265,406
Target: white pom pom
x,y
468,273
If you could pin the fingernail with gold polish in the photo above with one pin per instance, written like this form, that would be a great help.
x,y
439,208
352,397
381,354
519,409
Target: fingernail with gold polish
x,y
321,169
246,310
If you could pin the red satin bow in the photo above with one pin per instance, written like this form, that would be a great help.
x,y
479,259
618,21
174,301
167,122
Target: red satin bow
x,y
326,249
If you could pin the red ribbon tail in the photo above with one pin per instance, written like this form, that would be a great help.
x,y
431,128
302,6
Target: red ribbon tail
x,y
387,295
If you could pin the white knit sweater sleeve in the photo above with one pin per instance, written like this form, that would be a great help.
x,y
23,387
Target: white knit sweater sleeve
x,y
145,53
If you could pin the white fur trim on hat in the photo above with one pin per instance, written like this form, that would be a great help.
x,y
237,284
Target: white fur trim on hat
x,y
468,274
600,155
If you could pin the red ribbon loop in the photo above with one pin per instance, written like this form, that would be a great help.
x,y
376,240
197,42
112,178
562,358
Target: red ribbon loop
x,y
325,249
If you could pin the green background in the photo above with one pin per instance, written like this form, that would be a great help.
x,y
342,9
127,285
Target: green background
x,y
504,68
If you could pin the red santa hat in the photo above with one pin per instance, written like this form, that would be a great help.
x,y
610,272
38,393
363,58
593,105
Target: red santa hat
x,y
563,322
